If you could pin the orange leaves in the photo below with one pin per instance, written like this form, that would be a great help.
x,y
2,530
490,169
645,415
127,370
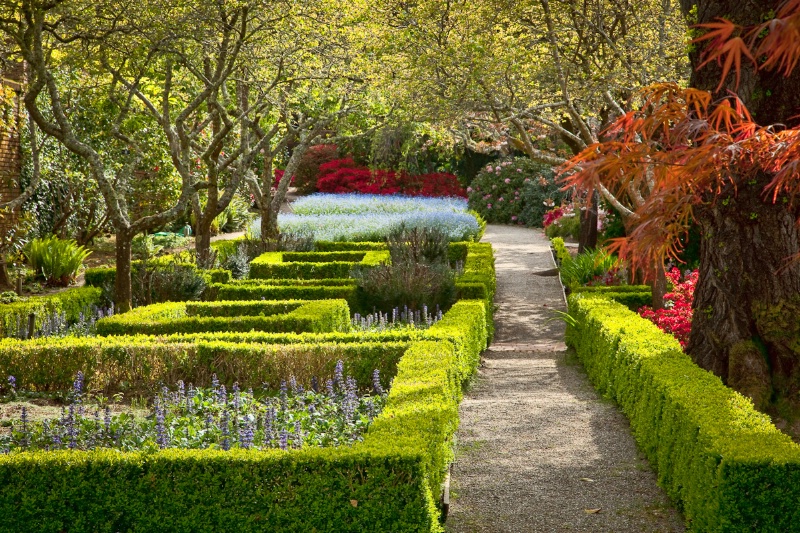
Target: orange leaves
x,y
679,150
777,41
781,44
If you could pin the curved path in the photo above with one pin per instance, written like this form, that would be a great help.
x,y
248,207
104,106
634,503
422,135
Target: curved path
x,y
538,449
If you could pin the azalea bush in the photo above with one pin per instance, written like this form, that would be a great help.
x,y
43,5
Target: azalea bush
x,y
514,191
345,175
676,317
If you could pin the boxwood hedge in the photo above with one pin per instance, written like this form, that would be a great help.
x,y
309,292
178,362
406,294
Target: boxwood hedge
x,y
389,482
312,265
166,318
725,464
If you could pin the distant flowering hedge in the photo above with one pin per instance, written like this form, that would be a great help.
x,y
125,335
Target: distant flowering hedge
x,y
514,191
344,176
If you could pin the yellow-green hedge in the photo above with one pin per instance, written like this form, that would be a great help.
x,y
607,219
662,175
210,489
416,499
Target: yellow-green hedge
x,y
163,319
389,482
725,465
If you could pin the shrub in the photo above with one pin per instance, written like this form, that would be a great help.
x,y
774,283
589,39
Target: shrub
x,y
345,176
405,284
166,318
497,192
237,261
723,463
308,170
417,245
562,254
562,221
219,291
235,217
537,196
55,260
272,265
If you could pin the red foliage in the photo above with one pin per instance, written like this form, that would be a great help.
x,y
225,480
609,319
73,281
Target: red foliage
x,y
344,176
676,317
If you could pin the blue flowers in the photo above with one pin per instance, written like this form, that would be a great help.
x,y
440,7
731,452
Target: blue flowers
x,y
366,217
197,418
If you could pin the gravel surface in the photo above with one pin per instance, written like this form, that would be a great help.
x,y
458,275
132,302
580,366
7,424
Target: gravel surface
x,y
538,449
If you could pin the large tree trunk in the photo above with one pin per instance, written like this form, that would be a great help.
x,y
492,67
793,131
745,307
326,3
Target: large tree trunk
x,y
746,322
122,285
588,235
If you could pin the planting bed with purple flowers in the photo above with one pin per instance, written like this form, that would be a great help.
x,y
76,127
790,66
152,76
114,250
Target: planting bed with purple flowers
x,y
352,433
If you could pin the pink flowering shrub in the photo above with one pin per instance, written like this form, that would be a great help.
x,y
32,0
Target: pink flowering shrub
x,y
676,317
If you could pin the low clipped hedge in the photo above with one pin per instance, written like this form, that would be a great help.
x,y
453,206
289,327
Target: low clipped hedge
x,y
312,265
328,282
345,246
477,281
218,291
631,296
70,302
107,276
166,318
389,482
725,464
140,364
561,252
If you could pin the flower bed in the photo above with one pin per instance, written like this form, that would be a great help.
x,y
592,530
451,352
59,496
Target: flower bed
x,y
356,204
330,414
390,481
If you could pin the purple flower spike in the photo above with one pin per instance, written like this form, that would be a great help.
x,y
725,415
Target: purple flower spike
x,y
12,382
376,382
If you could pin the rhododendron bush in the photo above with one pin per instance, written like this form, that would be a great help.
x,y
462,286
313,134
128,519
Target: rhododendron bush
x,y
676,317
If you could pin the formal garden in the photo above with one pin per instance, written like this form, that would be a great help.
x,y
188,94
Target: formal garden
x,y
287,266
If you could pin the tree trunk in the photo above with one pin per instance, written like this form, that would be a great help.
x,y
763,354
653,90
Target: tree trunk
x,y
269,222
202,240
746,322
122,285
588,235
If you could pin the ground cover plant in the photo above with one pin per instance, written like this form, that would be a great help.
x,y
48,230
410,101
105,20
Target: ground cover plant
x,y
353,217
332,413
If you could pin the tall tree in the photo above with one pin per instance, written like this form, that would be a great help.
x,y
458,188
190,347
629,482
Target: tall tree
x,y
724,154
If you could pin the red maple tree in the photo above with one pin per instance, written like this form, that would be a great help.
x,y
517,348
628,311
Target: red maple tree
x,y
723,154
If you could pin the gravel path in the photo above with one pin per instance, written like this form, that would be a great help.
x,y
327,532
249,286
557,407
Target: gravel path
x,y
538,449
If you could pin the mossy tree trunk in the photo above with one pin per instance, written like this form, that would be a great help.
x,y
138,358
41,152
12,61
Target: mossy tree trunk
x,y
746,322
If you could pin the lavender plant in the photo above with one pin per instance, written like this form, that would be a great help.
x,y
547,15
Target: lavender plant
x,y
210,418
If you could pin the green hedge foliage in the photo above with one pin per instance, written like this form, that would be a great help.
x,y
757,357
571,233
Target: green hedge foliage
x,y
631,296
219,291
272,264
725,465
343,246
329,282
166,318
562,254
71,302
389,482
479,271
140,364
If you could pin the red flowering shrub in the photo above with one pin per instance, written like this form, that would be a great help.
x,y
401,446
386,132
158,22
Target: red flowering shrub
x,y
308,170
676,317
344,176
278,176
